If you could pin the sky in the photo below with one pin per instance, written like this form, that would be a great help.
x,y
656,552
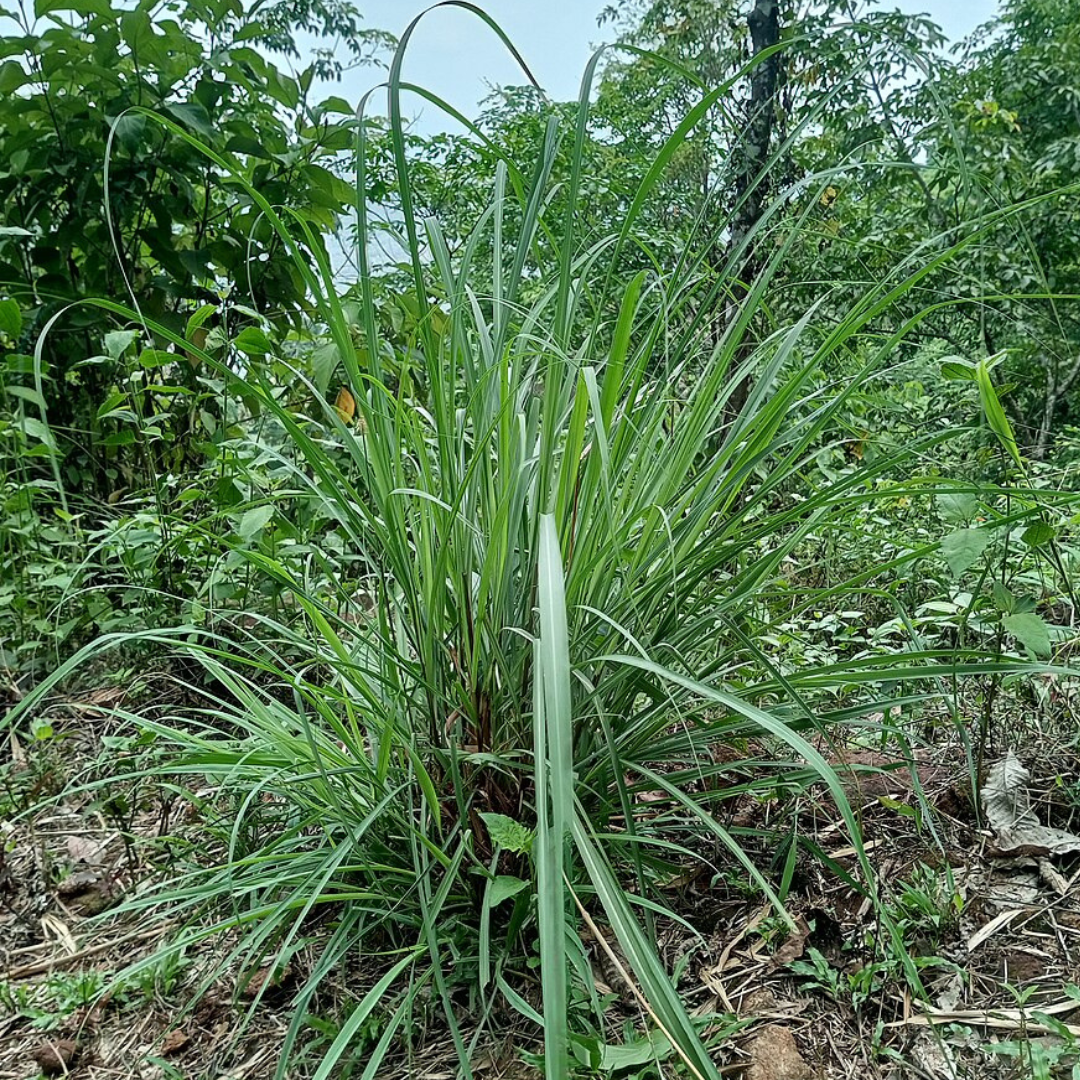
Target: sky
x,y
455,55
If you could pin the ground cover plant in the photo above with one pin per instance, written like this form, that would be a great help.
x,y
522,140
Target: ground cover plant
x,y
524,580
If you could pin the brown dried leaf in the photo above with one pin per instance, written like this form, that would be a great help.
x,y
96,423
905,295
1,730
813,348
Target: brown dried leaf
x,y
55,1056
1052,877
1005,796
175,1041
795,945
1007,803
81,849
271,977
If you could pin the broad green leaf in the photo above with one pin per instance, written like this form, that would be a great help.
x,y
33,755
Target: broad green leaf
x,y
37,430
963,548
507,833
198,318
27,394
119,438
12,77
193,114
337,105
11,321
1030,630
1038,534
155,358
1004,600
117,342
324,362
956,368
253,341
245,144
137,30
80,7
503,887
957,505
108,407
254,521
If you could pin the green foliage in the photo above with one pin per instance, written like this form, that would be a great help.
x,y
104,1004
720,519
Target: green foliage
x,y
468,555
98,202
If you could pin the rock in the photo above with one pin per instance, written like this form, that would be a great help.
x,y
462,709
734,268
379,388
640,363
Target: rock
x,y
774,1056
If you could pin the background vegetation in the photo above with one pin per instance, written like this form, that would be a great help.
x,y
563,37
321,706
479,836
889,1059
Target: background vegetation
x,y
488,502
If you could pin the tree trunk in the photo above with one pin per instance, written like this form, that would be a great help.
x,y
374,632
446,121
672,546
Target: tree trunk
x,y
751,180
1057,387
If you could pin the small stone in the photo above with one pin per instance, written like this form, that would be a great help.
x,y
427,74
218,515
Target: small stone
x,y
774,1056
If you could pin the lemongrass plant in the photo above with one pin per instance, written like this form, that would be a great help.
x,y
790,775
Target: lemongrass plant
x,y
565,534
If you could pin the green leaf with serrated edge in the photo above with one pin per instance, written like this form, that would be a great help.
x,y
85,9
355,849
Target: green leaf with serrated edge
x,y
254,521
117,342
507,833
957,505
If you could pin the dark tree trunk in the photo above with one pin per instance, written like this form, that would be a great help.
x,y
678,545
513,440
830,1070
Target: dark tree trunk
x,y
751,179
751,188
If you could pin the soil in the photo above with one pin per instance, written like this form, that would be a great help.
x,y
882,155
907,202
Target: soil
x,y
1000,966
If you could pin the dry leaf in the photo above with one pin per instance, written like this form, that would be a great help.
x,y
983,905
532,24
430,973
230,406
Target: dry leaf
x,y
81,849
55,1056
345,405
175,1041
55,929
990,928
795,945
1052,877
1005,796
1007,803
933,1056
270,977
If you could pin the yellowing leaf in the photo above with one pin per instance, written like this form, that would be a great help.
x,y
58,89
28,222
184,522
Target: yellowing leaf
x,y
345,405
